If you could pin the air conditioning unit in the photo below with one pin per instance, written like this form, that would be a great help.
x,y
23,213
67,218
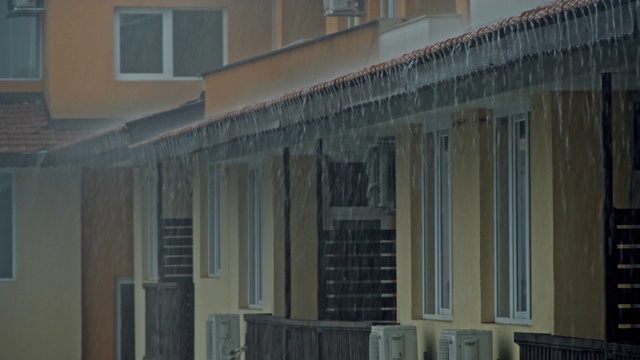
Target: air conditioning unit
x,y
465,345
393,342
380,167
26,7
343,8
223,336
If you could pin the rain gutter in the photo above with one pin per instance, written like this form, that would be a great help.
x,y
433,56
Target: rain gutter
x,y
559,39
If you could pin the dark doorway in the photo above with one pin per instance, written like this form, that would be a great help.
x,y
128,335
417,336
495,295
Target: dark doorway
x,y
125,319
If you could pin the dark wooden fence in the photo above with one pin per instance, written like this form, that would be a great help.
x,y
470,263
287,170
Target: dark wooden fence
x,y
549,347
271,338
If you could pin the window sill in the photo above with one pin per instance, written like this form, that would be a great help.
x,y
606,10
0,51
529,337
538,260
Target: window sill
x,y
255,307
7,280
447,318
509,321
134,77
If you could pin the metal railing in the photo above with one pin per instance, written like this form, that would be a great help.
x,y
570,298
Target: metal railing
x,y
550,347
271,338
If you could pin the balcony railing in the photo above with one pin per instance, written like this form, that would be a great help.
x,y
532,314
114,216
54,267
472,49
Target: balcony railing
x,y
550,347
270,338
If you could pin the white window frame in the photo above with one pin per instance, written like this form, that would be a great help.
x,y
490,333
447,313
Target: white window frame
x,y
152,241
441,312
214,192
13,230
40,57
167,42
254,218
515,317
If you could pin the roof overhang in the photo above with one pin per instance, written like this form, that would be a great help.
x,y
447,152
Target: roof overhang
x,y
556,41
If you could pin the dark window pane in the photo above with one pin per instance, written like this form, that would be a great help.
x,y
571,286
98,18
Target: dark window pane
x,y
197,41
140,43
503,249
19,46
6,226
348,183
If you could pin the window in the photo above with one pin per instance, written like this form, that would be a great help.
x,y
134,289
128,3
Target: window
x,y
512,239
7,236
152,188
19,46
156,44
387,9
436,231
214,220
254,238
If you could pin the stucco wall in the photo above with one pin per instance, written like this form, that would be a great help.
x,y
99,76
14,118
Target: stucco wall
x,y
107,253
227,293
290,70
472,273
40,312
79,57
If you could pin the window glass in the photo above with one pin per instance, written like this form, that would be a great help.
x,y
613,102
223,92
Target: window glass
x,y
436,207
166,43
521,221
141,43
254,238
19,46
6,227
512,250
444,229
502,217
197,41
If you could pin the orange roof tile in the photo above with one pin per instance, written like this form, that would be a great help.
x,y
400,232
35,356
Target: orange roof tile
x,y
24,128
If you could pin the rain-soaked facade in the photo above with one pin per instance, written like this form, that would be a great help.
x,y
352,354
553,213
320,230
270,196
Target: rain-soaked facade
x,y
486,181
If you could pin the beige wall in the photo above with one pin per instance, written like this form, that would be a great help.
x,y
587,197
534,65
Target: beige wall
x,y
290,70
472,209
107,253
79,57
578,206
40,312
304,238
227,293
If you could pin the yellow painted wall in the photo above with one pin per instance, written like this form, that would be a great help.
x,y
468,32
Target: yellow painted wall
x,y
472,273
40,312
227,293
578,206
304,238
79,57
290,70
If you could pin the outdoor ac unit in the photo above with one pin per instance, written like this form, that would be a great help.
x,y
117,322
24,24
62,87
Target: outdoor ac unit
x,y
380,165
223,336
342,8
393,342
26,7
465,345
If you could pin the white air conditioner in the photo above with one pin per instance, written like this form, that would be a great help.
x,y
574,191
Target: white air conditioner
x,y
393,342
223,336
343,8
380,167
26,7
465,345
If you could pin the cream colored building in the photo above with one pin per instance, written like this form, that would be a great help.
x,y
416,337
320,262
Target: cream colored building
x,y
477,164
